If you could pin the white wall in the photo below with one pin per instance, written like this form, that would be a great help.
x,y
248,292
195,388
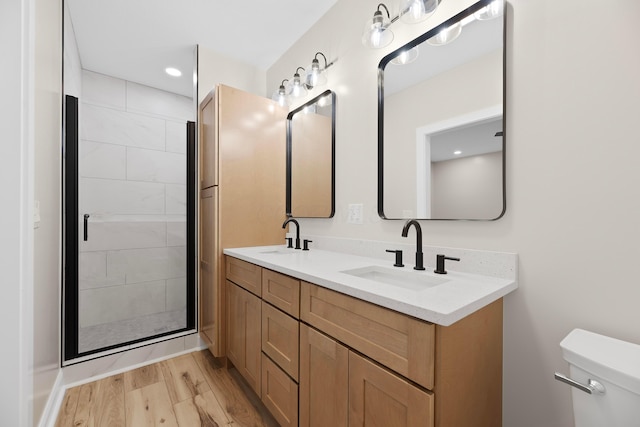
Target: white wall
x,y
468,187
16,245
30,32
47,190
454,93
573,100
215,68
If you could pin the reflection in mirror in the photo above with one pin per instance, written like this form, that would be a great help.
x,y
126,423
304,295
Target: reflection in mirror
x,y
129,185
440,124
310,158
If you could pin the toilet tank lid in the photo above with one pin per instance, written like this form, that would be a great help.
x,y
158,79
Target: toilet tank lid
x,y
608,358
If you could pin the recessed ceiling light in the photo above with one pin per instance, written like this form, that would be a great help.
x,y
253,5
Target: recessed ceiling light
x,y
457,152
173,72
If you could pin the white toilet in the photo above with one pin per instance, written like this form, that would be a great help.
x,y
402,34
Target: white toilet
x,y
605,375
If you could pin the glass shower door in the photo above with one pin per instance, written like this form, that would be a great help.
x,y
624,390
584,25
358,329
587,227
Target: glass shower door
x,y
134,278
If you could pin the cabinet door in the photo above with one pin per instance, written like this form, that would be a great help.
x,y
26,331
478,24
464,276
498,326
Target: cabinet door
x,y
243,334
208,142
379,398
210,304
324,384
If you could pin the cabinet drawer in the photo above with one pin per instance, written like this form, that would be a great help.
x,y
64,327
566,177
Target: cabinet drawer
x,y
280,338
281,291
398,341
244,274
279,394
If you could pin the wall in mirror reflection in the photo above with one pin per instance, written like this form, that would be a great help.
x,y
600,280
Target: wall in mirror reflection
x,y
449,100
310,138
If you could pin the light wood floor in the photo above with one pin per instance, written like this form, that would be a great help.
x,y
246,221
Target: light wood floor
x,y
190,390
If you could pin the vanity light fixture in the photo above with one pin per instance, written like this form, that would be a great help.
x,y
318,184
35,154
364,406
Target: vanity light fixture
x,y
376,30
407,56
316,76
280,95
297,89
173,72
413,11
377,33
457,152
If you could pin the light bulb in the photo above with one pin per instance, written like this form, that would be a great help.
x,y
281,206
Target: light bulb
x,y
492,10
447,35
376,34
406,56
412,11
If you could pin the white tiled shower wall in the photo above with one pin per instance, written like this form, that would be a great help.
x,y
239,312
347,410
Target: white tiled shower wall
x,y
133,186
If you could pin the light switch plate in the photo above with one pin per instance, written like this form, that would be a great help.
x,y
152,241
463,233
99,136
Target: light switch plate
x,y
36,214
355,213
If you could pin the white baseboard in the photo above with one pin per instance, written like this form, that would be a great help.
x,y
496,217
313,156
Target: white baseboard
x,y
52,407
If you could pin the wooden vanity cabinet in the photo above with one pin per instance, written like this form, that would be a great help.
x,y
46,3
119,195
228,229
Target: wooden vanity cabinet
x,y
346,362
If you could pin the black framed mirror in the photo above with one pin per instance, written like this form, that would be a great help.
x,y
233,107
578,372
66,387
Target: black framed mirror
x,y
441,121
311,158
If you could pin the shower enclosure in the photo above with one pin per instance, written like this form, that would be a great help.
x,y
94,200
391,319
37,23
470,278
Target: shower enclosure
x,y
129,237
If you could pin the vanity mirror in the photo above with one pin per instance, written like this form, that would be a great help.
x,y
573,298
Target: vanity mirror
x,y
440,121
311,158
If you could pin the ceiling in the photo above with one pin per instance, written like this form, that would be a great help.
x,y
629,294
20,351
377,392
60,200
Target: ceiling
x,y
137,39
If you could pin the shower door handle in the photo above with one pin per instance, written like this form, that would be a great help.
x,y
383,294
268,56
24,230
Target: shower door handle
x,y
86,227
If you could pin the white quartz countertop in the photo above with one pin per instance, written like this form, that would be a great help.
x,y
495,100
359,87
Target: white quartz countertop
x,y
444,304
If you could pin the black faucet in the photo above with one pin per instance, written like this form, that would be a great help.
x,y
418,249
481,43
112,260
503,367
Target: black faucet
x,y
297,230
405,231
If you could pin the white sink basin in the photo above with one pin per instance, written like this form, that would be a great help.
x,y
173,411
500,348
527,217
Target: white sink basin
x,y
280,251
408,279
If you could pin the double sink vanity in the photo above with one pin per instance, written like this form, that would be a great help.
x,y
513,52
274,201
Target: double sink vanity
x,y
331,339
328,337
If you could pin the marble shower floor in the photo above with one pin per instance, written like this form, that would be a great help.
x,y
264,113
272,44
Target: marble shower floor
x,y
107,334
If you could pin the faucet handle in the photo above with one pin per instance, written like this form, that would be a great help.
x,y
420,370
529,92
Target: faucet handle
x,y
305,244
398,253
289,242
440,263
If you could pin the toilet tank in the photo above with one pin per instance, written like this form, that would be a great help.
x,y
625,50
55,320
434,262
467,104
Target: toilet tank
x,y
613,363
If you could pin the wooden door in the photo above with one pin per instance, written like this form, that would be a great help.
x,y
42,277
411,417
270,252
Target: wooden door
x,y
243,333
323,380
379,398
